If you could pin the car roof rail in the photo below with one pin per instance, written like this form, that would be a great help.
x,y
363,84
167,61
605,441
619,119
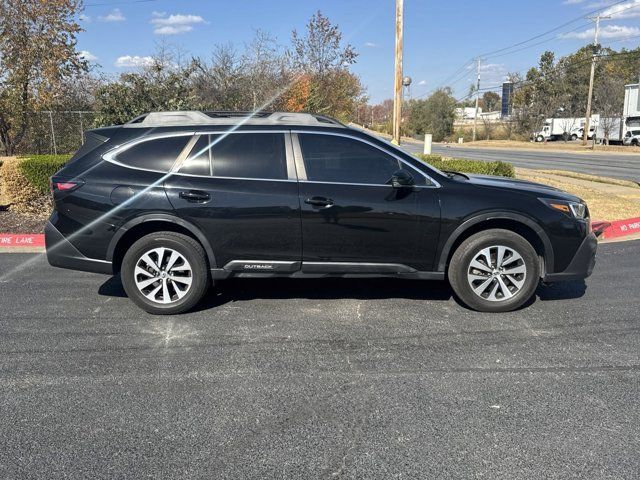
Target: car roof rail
x,y
193,118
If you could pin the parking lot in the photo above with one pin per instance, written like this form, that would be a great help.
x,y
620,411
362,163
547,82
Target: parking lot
x,y
319,379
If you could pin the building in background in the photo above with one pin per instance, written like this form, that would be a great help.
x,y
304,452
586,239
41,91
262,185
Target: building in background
x,y
507,92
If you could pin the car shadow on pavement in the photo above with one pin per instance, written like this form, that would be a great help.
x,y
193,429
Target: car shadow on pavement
x,y
232,290
562,290
237,289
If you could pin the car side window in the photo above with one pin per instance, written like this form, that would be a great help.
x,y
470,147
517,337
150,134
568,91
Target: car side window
x,y
158,154
331,158
249,155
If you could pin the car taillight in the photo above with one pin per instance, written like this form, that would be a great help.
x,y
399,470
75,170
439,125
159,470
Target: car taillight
x,y
64,185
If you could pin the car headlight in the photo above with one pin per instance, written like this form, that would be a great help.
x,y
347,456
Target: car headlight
x,y
572,209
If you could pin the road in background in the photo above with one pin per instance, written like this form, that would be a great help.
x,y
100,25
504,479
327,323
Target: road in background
x,y
319,379
604,164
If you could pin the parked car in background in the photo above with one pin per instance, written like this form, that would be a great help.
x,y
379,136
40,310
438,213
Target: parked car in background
x,y
173,201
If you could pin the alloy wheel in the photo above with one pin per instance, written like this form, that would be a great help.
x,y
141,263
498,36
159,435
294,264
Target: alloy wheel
x,y
163,275
497,273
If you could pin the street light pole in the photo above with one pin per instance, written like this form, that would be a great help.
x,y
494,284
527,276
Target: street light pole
x,y
397,86
587,118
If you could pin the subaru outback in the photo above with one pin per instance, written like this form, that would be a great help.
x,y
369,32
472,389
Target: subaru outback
x,y
176,201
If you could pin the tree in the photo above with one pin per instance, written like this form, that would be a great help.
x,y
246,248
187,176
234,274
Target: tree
x,y
608,102
434,114
163,85
321,50
37,54
490,101
319,54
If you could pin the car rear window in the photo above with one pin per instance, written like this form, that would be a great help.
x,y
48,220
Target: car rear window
x,y
158,154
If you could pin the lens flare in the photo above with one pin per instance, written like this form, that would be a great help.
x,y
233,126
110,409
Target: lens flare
x,y
158,182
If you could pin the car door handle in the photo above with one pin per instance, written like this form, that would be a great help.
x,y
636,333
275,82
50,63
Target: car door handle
x,y
319,201
195,196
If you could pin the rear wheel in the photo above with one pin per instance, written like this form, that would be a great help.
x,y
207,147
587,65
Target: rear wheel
x,y
494,271
165,273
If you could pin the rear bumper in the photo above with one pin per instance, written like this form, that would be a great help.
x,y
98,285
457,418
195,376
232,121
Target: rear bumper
x,y
61,253
581,265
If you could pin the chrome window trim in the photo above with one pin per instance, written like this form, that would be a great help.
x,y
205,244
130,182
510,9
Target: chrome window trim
x,y
297,154
123,147
184,154
168,174
435,183
288,148
111,155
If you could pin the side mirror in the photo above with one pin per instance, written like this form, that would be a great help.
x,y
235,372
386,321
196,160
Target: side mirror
x,y
401,179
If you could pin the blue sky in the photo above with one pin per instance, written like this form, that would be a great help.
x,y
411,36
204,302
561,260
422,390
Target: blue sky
x,y
440,36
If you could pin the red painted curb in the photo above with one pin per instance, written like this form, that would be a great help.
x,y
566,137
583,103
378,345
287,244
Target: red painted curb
x,y
21,240
619,228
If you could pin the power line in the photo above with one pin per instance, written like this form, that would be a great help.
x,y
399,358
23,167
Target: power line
x,y
487,54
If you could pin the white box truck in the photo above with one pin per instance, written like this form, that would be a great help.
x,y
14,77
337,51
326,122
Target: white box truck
x,y
563,128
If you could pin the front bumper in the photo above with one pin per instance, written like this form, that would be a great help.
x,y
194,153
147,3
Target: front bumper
x,y
581,265
61,253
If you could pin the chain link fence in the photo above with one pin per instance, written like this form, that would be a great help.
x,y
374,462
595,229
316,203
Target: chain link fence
x,y
54,132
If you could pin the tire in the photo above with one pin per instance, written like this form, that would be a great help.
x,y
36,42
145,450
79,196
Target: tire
x,y
488,279
186,281
634,142
539,138
574,137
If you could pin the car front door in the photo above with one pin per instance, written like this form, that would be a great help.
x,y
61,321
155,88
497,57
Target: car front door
x,y
353,220
240,189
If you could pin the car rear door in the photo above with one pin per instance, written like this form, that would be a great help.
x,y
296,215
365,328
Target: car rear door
x,y
240,189
353,221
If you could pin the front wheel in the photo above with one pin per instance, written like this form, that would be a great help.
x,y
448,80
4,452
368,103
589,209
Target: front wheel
x,y
165,273
574,137
494,271
539,138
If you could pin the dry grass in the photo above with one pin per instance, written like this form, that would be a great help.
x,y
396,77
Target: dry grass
x,y
592,178
607,201
575,147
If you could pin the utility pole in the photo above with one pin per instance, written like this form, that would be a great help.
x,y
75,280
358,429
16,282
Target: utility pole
x,y
475,117
397,85
587,117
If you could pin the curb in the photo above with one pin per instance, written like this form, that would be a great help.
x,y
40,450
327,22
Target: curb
x,y
619,228
21,240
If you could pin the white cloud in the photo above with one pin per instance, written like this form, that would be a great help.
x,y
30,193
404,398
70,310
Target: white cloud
x,y
572,2
114,16
128,61
608,31
370,44
158,14
84,18
87,55
175,24
492,73
623,10
422,82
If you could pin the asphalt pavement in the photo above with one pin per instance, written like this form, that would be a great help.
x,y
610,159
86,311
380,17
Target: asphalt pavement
x,y
319,379
623,166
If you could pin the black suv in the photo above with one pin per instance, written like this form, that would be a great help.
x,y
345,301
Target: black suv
x,y
175,200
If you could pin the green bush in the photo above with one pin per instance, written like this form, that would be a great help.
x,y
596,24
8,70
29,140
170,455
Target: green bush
x,y
500,169
38,168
